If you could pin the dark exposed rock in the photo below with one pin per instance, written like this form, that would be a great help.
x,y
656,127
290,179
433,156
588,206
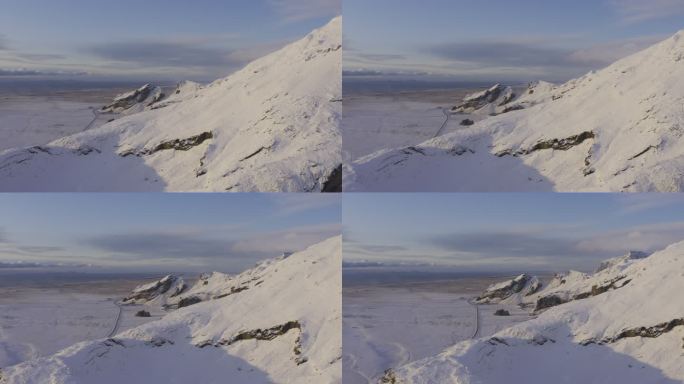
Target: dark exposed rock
x,y
188,301
647,332
142,313
541,340
599,289
159,341
479,100
555,144
467,122
233,290
263,334
505,290
334,182
389,377
146,95
548,302
177,144
182,144
502,312
160,287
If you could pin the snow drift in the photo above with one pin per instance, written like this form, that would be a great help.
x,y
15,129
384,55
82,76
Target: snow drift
x,y
279,322
617,129
273,126
628,333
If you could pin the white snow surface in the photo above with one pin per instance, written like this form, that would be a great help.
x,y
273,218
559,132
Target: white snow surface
x,y
271,127
190,344
631,115
580,342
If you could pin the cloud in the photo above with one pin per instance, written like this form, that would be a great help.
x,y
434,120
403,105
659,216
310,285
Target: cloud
x,y
165,54
504,53
295,203
161,244
198,244
652,237
300,10
292,239
381,57
22,72
605,54
507,244
635,203
637,11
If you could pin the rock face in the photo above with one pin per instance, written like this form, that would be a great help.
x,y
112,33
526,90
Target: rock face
x,y
524,285
142,313
160,290
502,312
496,96
136,100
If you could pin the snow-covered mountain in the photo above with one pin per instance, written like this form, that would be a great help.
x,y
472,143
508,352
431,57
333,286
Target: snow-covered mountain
x,y
273,126
617,129
630,332
279,322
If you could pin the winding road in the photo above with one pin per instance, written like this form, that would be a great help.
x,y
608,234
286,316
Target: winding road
x,y
115,329
441,129
477,319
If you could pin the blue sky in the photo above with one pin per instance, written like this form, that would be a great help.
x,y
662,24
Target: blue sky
x,y
174,39
501,40
507,232
162,232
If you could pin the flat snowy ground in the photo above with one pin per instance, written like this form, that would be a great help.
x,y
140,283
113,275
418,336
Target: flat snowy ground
x,y
39,321
375,122
37,120
385,326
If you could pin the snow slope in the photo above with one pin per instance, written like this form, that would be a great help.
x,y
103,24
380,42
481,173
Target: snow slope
x,y
630,334
285,328
618,129
273,126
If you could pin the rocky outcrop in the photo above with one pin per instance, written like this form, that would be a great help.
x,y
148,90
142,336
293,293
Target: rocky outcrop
x,y
651,332
177,144
555,144
548,302
502,312
142,97
333,184
492,100
142,313
168,286
523,284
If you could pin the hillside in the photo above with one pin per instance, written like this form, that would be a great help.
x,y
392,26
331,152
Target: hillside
x,y
273,126
629,333
618,129
282,326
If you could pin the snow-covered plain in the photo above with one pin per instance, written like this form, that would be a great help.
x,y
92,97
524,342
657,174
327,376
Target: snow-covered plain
x,y
279,322
375,121
388,325
629,331
272,126
40,321
617,129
